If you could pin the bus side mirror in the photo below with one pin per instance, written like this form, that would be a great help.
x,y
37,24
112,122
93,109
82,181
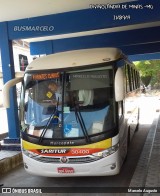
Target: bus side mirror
x,y
119,85
6,88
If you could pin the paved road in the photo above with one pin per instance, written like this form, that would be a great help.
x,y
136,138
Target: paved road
x,y
19,178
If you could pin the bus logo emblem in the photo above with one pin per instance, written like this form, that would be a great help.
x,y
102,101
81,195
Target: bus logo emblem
x,y
64,160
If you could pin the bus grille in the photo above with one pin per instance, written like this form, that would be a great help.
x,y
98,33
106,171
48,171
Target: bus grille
x,y
76,160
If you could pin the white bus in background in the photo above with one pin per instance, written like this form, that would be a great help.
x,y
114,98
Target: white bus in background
x,y
85,127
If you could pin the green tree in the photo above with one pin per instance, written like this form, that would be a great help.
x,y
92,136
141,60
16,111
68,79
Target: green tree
x,y
149,71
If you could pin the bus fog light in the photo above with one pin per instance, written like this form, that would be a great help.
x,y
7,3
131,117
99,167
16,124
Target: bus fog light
x,y
113,166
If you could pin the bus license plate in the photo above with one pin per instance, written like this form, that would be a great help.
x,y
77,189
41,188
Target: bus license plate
x,y
65,170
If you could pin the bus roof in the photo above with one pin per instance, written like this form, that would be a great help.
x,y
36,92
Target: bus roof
x,y
75,58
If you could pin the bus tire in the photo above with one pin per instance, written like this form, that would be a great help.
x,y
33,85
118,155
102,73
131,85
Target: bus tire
x,y
128,137
137,127
128,143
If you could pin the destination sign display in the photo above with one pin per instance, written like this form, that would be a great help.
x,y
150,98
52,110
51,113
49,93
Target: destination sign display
x,y
45,76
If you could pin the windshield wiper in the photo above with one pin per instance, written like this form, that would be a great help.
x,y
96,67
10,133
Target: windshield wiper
x,y
81,122
48,122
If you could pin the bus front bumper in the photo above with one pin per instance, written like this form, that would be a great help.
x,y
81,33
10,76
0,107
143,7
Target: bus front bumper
x,y
106,166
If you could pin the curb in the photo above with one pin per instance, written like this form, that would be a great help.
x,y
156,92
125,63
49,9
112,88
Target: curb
x,y
145,175
10,163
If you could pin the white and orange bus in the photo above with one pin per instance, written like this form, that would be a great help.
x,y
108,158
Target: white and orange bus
x,y
83,126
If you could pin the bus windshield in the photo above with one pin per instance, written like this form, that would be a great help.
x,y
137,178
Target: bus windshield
x,y
71,104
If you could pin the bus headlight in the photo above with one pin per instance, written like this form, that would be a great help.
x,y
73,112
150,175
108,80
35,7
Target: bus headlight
x,y
107,152
29,153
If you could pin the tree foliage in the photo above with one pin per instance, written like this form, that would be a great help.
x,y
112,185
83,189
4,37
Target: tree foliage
x,y
149,69
146,80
